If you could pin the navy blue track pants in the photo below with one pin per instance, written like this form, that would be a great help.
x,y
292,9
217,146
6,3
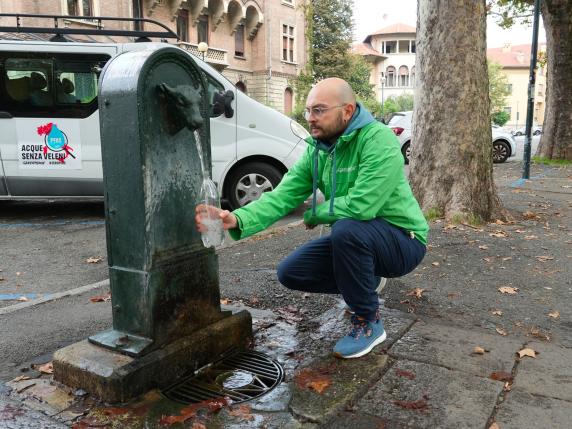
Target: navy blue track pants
x,y
351,260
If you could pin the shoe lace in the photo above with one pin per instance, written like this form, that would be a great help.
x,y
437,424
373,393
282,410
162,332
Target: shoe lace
x,y
359,327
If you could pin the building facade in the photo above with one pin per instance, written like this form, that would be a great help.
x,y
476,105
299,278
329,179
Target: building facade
x,y
391,51
515,62
259,45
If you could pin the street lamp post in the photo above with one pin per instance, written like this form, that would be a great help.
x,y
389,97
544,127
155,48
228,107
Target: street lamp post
x,y
203,47
531,84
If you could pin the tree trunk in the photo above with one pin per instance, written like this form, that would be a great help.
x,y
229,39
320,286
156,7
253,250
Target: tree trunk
x,y
556,141
451,165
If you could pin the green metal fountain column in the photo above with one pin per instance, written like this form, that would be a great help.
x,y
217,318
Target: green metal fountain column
x,y
164,283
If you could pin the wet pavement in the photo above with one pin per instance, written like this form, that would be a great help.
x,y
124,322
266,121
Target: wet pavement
x,y
460,352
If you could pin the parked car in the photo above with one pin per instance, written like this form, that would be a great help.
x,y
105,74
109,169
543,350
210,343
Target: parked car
x,y
400,123
536,131
504,145
44,82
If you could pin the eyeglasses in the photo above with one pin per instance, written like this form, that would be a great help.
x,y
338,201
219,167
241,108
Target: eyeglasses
x,y
318,111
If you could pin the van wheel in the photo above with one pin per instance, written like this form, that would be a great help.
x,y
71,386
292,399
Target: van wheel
x,y
248,182
406,152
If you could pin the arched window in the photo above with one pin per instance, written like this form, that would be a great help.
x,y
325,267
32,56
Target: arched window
x,y
413,76
403,76
288,98
240,85
390,77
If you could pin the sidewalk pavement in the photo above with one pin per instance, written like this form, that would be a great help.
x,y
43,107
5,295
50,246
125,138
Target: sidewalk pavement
x,y
479,335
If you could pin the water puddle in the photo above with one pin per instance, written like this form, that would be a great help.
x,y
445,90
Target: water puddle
x,y
235,379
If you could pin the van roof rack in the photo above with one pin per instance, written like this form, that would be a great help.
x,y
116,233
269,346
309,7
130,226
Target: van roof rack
x,y
59,32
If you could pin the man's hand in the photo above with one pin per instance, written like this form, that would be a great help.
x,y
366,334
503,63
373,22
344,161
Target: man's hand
x,y
202,211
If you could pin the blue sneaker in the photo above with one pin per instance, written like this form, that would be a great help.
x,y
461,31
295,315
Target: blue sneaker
x,y
363,337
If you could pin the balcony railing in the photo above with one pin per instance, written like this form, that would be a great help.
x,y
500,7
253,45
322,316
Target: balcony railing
x,y
212,55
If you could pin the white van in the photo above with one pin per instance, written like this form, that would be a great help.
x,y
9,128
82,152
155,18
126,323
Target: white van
x,y
43,83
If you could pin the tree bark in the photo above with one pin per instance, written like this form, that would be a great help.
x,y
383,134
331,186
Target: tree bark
x,y
556,140
451,165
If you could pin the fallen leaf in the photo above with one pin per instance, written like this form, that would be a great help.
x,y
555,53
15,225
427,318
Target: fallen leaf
x,y
499,234
181,418
500,222
501,376
319,385
479,351
290,314
509,290
421,404
18,273
115,411
22,298
317,379
508,258
225,301
244,412
435,264
93,260
502,332
555,314
530,237
47,368
417,293
20,378
487,259
537,333
544,258
526,352
190,411
530,215
519,231
101,298
494,426
406,374
497,312
483,247
450,226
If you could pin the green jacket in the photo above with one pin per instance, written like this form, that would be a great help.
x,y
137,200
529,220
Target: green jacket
x,y
361,177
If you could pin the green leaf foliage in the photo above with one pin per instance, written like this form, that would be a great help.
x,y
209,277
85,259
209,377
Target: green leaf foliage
x,y
500,118
400,103
329,34
498,88
509,12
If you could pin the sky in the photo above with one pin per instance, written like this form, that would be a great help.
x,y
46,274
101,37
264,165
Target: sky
x,y
371,15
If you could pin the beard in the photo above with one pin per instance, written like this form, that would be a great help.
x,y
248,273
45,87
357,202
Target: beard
x,y
330,132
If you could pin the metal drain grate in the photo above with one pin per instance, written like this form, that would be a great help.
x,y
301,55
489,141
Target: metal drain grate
x,y
241,376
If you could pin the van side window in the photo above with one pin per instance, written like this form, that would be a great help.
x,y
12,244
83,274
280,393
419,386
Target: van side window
x,y
212,87
49,85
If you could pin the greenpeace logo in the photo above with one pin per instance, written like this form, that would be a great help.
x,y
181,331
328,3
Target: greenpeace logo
x,y
346,169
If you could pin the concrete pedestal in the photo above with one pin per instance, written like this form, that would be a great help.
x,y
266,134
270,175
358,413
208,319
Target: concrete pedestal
x,y
116,377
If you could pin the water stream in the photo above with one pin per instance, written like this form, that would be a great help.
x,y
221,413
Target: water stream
x,y
213,235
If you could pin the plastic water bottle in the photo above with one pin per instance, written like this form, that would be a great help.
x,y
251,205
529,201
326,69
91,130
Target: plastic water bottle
x,y
213,235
